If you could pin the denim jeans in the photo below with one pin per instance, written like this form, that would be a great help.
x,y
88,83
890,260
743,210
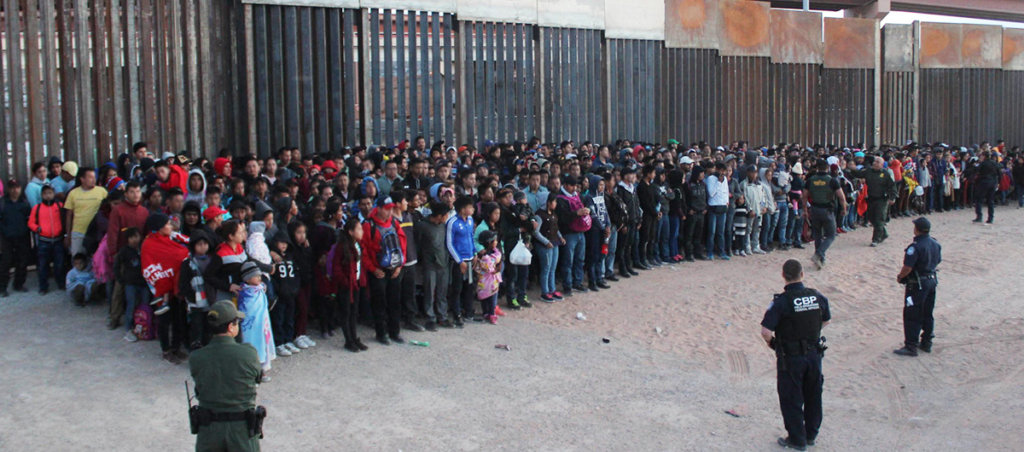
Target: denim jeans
x,y
133,296
515,282
716,230
50,252
674,221
548,263
795,228
783,222
664,235
613,245
729,226
573,253
771,220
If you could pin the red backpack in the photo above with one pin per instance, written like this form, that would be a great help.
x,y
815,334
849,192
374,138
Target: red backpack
x,y
580,223
142,321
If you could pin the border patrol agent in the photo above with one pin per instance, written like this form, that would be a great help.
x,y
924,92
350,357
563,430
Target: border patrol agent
x,y
819,199
918,275
226,375
881,195
796,316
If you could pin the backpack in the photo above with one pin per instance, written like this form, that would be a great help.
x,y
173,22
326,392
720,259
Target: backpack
x,y
580,223
330,259
390,255
142,321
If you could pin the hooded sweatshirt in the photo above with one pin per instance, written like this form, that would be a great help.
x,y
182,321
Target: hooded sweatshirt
x,y
256,246
766,187
193,195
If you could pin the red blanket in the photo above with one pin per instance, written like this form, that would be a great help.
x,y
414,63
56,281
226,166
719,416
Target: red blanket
x,y
161,259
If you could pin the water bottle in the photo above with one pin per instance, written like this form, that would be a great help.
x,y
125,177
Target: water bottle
x,y
419,343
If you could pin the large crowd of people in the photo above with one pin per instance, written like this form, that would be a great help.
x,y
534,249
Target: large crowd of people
x,y
420,237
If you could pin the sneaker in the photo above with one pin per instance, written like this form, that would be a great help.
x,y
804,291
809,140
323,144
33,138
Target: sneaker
x,y
361,345
905,351
309,341
743,253
547,298
784,442
758,251
498,311
412,326
301,342
724,257
265,378
283,351
446,324
383,340
458,322
493,319
170,357
397,339
430,326
525,302
292,348
874,244
557,295
514,304
130,337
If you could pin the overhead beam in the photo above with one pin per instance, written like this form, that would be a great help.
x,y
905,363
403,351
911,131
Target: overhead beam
x,y
1007,10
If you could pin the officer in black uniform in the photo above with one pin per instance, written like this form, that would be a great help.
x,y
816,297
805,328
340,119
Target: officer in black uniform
x,y
819,200
918,275
796,316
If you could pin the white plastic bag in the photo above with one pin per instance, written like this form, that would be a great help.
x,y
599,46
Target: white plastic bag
x,y
520,255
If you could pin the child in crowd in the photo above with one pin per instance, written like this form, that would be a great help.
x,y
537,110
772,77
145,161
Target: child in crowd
x,y
739,226
80,281
286,283
192,288
255,328
350,280
487,266
548,239
435,265
303,260
128,270
45,222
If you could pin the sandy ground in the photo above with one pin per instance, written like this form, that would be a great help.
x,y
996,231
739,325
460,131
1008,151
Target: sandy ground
x,y
66,383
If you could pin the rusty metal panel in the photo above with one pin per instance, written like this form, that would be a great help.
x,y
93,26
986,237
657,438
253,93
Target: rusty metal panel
x,y
941,45
745,28
1013,49
634,19
796,37
850,43
692,24
898,48
982,46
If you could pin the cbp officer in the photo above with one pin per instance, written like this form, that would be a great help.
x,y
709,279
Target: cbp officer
x,y
918,275
819,200
881,194
226,375
796,316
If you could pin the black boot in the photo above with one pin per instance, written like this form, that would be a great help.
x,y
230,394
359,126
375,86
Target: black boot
x,y
907,350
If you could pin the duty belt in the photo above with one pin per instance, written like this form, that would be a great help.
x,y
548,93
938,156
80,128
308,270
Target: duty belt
x,y
226,417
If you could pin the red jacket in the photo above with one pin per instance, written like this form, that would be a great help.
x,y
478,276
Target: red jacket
x,y
345,275
45,220
122,217
178,178
371,240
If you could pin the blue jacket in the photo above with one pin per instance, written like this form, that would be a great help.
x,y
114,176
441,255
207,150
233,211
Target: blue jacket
x,y
459,238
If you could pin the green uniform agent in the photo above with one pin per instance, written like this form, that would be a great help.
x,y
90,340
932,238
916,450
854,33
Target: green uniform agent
x,y
226,374
881,189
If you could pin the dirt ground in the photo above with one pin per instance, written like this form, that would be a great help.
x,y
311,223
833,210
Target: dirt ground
x,y
66,383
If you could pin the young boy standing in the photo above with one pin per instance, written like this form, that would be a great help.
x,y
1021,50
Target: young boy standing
x,y
128,269
435,265
286,285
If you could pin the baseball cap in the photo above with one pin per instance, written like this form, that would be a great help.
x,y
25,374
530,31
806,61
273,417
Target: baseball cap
x,y
223,312
923,224
213,212
386,203
686,160
70,167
